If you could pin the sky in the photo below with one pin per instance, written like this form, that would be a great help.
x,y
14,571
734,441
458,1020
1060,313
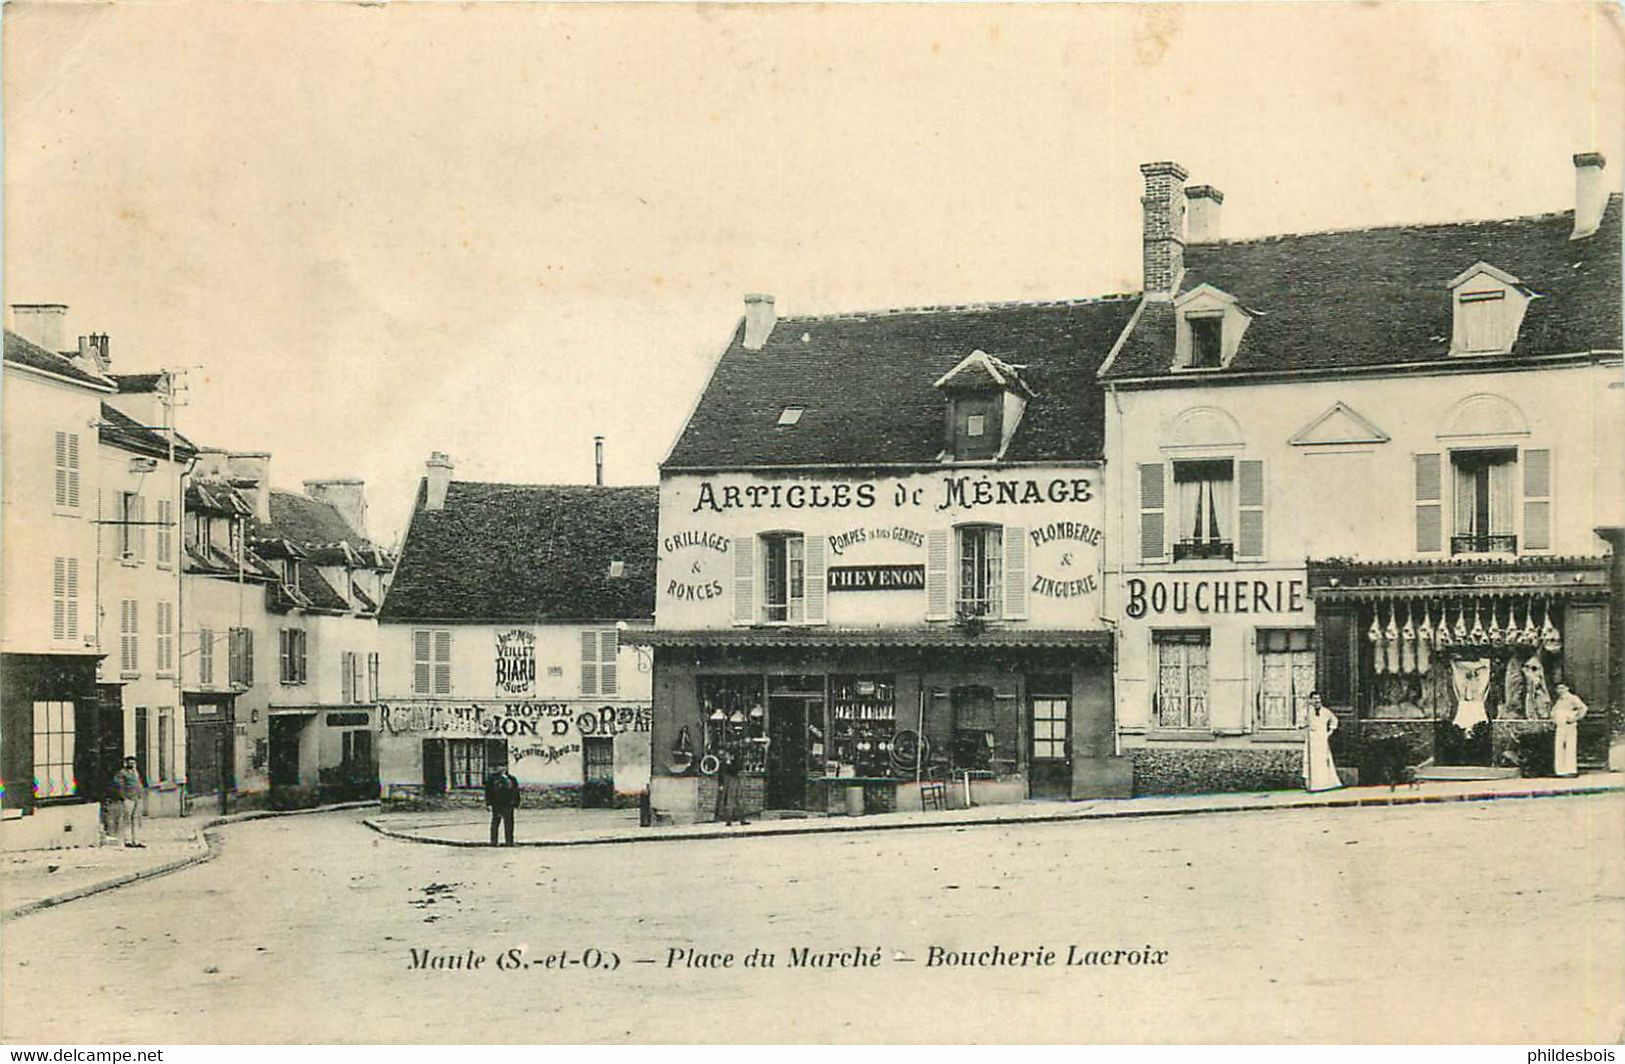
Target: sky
x,y
374,231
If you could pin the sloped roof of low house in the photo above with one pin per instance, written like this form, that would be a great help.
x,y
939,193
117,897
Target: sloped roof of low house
x,y
866,385
22,352
118,429
310,523
517,553
1379,297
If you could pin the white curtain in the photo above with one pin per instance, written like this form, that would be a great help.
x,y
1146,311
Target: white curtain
x,y
1502,478
1466,497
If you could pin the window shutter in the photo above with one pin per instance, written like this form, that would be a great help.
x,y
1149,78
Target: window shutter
x,y
1015,572
1429,529
744,548
205,656
589,663
59,599
815,581
442,662
1537,500
284,652
62,469
609,642
140,529
73,470
936,575
347,679
420,662
71,604
1153,540
248,656
1250,514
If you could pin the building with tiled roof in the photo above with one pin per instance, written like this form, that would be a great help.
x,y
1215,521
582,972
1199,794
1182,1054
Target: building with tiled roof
x,y
502,633
880,561
52,757
1380,464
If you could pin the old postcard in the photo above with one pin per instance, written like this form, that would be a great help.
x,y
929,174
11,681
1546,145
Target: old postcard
x,y
558,523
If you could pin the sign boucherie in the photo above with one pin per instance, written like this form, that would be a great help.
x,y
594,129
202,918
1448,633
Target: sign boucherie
x,y
877,578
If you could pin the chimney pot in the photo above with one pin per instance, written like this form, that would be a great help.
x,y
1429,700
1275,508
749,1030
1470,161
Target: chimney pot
x,y
1590,194
1163,227
438,478
598,460
760,317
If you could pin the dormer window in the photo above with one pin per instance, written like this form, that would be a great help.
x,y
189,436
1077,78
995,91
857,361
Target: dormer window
x,y
1210,327
986,398
1207,340
1488,306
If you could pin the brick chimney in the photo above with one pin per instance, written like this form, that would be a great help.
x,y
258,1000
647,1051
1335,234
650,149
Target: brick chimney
x,y
760,317
40,323
1202,203
347,495
438,476
1164,226
1590,194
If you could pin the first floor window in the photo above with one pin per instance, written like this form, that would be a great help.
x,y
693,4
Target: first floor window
x,y
165,636
460,764
1286,676
599,653
293,655
348,676
67,470
431,661
372,676
132,542
53,750
129,642
784,577
242,657
65,599
166,532
166,743
205,657
1204,505
1485,482
1182,679
981,563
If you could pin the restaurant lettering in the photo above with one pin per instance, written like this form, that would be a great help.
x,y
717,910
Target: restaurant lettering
x,y
513,719
962,492
1214,596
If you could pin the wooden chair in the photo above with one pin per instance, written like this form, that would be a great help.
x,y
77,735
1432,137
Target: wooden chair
x,y
933,795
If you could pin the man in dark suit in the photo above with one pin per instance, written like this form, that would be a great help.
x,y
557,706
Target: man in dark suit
x,y
502,798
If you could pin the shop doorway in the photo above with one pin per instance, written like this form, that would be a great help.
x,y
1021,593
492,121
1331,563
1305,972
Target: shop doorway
x,y
285,731
110,755
1049,725
598,772
787,751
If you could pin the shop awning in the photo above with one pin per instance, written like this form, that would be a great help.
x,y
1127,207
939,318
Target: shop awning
x,y
1570,577
803,637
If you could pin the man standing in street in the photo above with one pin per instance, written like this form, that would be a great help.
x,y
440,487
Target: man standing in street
x,y
128,789
502,798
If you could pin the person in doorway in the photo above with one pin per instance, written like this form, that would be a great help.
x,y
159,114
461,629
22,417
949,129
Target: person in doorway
x,y
129,790
502,798
730,789
1319,770
1567,709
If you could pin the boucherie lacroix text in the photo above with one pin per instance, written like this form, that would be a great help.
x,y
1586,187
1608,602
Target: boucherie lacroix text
x,y
961,492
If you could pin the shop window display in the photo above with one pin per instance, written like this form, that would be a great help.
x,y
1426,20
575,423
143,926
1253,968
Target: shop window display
x,y
863,724
734,713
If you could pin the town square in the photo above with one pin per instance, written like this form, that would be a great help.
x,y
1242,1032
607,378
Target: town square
x,y
764,524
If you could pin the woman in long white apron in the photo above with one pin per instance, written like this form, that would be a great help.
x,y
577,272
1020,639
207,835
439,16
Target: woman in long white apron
x,y
1319,771
1567,710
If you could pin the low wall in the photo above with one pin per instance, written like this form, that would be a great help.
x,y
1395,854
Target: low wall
x,y
52,827
1187,771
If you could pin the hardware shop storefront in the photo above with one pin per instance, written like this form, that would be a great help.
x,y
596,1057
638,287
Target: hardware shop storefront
x,y
1456,664
850,722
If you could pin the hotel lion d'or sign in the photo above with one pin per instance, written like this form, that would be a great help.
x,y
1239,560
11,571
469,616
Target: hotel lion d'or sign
x,y
883,550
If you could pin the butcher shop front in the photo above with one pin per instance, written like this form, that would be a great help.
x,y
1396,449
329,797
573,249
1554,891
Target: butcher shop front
x,y
1449,670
